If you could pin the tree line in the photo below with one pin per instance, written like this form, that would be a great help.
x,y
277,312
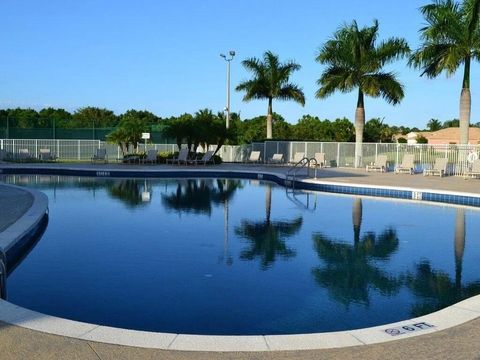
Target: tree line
x,y
307,128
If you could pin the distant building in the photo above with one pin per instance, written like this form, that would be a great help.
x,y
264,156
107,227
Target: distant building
x,y
445,136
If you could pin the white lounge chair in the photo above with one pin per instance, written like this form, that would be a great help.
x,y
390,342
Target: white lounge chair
x,y
182,157
297,157
474,171
100,155
151,157
46,155
407,165
207,157
320,158
380,164
254,157
439,168
276,159
23,155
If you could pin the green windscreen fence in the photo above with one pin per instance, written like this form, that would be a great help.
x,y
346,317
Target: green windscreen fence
x,y
156,137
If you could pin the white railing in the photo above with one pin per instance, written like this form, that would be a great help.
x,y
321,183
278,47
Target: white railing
x,y
343,154
336,154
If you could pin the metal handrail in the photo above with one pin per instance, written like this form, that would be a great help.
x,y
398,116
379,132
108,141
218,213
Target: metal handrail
x,y
302,163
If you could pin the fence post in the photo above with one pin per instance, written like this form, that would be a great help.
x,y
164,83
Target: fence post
x,y
338,155
36,148
376,151
78,156
264,151
58,147
396,159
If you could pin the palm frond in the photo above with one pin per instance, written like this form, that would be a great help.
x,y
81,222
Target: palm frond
x,y
333,79
385,85
291,92
435,58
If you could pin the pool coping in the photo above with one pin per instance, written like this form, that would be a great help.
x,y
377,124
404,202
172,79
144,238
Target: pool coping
x,y
456,314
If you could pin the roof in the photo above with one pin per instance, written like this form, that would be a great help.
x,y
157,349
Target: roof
x,y
453,133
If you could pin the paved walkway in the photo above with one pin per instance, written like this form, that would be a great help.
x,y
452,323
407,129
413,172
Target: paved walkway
x,y
460,342
14,202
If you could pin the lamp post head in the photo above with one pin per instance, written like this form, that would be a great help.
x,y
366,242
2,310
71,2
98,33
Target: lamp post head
x,y
232,53
223,56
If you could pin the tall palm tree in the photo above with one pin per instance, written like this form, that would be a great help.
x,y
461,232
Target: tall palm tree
x,y
450,38
270,81
354,61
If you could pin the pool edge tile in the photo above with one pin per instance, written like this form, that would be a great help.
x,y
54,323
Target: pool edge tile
x,y
311,341
118,336
219,343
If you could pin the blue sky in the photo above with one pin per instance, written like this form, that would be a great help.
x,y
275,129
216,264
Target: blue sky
x,y
163,56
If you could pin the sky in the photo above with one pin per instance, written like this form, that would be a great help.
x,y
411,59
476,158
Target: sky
x,y
164,56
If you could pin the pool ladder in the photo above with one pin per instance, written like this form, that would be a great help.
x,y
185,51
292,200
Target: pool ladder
x,y
293,171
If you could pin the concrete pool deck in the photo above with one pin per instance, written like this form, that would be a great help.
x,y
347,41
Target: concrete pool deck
x,y
444,341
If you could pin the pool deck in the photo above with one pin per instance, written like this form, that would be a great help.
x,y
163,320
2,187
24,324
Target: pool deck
x,y
457,342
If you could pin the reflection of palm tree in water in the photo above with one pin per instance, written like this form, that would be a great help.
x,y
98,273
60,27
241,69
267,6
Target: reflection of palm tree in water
x,y
198,195
267,237
357,218
128,191
459,245
435,288
350,271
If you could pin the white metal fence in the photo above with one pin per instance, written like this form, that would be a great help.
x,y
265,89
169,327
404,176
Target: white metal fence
x,y
343,154
336,154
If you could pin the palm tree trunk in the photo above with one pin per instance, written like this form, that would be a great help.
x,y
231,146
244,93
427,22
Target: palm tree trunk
x,y
465,104
359,126
269,119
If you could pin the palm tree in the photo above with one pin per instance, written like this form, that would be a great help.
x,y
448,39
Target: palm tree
x,y
354,61
434,125
450,38
270,81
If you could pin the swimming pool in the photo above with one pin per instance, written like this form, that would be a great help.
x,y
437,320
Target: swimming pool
x,y
214,256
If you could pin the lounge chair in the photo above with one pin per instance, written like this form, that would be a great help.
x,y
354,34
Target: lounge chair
x,y
182,157
276,159
46,155
100,155
407,165
297,157
474,171
439,168
151,157
380,164
320,158
207,157
254,157
23,155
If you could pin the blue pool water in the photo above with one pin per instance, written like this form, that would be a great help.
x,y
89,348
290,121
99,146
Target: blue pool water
x,y
216,256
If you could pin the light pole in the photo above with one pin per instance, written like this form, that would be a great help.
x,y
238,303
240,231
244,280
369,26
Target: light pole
x,y
231,54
